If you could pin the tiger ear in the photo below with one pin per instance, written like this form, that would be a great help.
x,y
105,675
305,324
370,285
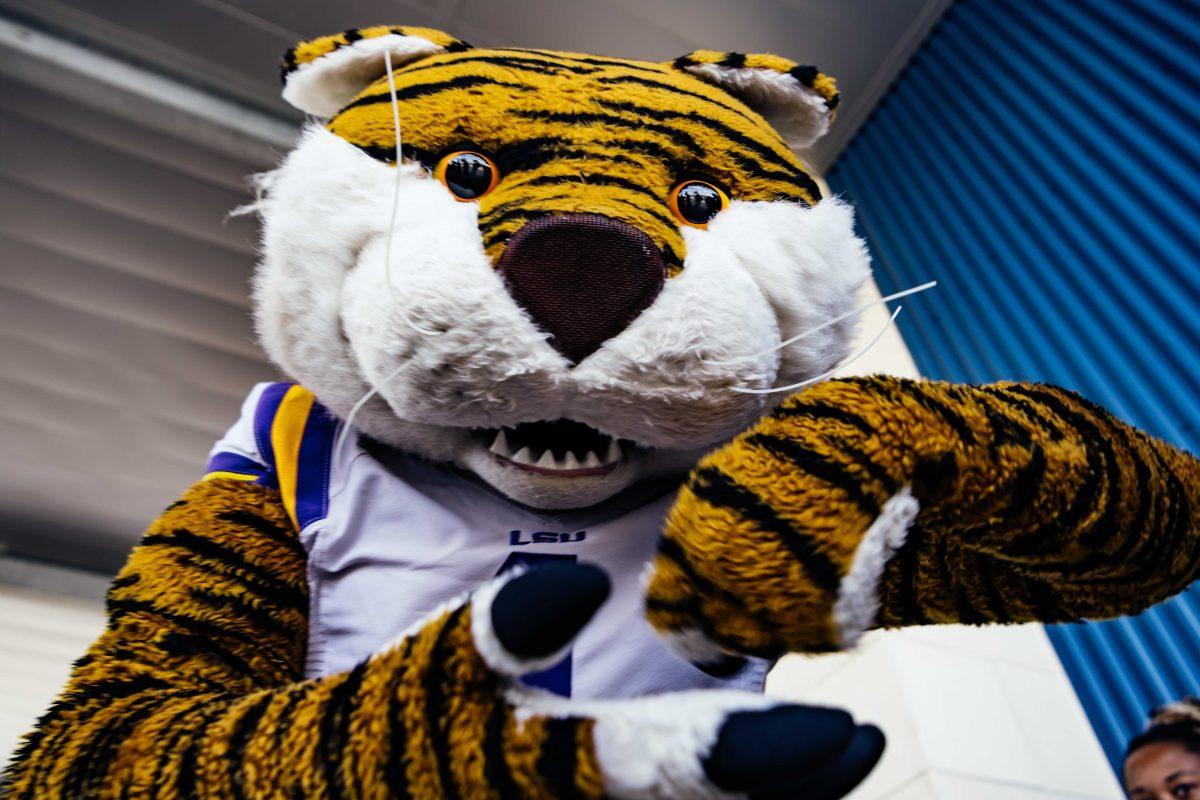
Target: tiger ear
x,y
322,75
798,100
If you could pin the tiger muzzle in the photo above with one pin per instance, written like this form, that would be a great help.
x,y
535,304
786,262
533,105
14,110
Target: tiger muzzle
x,y
583,278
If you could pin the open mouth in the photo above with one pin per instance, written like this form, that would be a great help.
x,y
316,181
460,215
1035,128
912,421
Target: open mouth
x,y
563,448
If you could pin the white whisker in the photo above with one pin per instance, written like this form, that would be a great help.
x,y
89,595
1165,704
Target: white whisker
x,y
387,250
354,409
826,324
825,375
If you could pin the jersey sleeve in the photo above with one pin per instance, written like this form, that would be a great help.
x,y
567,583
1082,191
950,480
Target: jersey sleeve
x,y
282,439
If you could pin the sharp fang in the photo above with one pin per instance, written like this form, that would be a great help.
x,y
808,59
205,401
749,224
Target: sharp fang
x,y
570,461
547,461
522,456
592,460
500,444
614,452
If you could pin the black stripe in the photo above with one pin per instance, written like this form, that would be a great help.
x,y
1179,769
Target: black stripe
x,y
593,180
267,621
1026,485
805,73
437,87
437,707
1037,419
987,584
640,81
512,62
556,762
255,576
283,719
954,580
495,765
876,471
1005,430
670,549
733,60
493,232
563,58
916,391
394,767
87,774
910,565
168,749
825,412
677,137
259,524
1104,527
333,750
533,153
239,737
718,489
783,170
819,466
177,644
185,773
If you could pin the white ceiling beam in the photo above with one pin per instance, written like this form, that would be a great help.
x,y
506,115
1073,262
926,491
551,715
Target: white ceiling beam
x,y
132,92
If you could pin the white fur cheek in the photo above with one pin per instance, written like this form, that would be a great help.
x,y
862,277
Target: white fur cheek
x,y
809,264
323,207
676,363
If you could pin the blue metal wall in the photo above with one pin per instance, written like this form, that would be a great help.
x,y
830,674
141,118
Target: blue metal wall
x,y
1042,160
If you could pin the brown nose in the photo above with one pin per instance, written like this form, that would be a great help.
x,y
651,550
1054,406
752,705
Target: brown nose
x,y
582,277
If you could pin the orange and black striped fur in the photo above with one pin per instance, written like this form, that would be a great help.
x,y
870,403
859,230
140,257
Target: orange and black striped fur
x,y
195,690
999,503
1034,505
612,140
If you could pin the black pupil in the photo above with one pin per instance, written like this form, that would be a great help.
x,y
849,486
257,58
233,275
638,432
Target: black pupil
x,y
468,175
698,202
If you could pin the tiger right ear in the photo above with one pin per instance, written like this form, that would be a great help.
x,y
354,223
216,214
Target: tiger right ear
x,y
798,100
323,75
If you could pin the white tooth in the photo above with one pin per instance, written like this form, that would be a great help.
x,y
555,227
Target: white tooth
x,y
614,452
547,461
500,444
591,460
522,456
570,461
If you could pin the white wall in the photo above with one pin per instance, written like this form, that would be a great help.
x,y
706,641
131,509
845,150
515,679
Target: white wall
x,y
42,633
970,713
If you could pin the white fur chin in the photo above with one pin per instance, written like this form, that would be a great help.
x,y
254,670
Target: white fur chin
x,y
796,111
322,87
858,596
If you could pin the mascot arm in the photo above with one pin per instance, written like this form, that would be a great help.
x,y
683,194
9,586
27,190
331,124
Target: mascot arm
x,y
883,502
195,690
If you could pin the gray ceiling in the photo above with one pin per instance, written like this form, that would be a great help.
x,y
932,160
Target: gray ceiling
x,y
125,343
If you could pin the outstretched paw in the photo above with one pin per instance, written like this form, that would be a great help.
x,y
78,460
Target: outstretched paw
x,y
485,733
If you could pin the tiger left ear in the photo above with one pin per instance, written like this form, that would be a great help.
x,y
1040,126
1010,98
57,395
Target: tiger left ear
x,y
798,100
322,75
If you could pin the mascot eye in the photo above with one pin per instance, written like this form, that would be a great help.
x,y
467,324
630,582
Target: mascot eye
x,y
695,203
467,174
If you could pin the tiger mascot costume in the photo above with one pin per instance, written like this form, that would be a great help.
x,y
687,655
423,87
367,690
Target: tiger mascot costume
x,y
571,283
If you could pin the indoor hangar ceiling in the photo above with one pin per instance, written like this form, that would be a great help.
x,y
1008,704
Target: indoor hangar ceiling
x,y
126,130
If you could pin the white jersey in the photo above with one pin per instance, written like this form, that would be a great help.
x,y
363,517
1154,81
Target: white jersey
x,y
390,537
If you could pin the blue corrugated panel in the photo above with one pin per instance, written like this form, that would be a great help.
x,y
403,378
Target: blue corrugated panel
x,y
1041,159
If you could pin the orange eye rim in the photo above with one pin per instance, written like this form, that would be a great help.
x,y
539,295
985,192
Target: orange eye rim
x,y
673,201
439,172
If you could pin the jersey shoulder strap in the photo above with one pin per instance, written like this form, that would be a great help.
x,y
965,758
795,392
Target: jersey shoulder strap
x,y
283,439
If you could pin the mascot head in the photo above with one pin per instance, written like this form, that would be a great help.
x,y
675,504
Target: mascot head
x,y
572,268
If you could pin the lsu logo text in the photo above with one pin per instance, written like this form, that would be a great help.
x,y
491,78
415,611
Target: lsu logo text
x,y
520,538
